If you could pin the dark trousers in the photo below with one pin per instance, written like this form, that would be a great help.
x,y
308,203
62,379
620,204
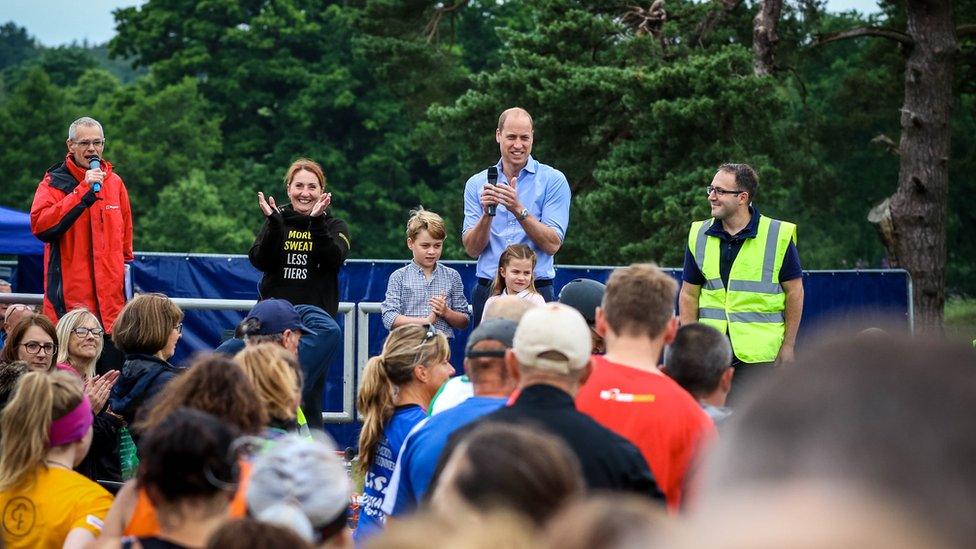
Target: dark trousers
x,y
315,354
482,291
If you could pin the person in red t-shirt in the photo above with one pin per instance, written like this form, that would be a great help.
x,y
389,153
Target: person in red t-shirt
x,y
627,392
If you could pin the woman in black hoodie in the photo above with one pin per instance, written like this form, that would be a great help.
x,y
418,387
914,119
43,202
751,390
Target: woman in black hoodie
x,y
300,249
302,246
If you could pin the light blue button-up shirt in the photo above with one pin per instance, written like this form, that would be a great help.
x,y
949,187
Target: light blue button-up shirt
x,y
543,190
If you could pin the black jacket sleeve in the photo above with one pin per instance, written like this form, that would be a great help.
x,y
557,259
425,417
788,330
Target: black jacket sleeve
x,y
331,238
102,460
266,255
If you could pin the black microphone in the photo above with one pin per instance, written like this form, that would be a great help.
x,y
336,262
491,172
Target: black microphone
x,y
95,164
492,180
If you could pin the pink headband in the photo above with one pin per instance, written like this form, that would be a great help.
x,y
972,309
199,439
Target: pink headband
x,y
72,426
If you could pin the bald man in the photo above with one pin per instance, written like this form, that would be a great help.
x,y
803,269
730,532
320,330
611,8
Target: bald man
x,y
530,205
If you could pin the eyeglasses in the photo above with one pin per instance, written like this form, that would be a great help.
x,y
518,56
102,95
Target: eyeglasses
x,y
179,327
89,143
431,332
710,189
83,332
34,347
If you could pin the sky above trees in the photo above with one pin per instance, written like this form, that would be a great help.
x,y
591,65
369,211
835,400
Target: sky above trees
x,y
58,22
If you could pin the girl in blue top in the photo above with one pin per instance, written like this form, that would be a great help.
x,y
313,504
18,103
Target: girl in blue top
x,y
397,387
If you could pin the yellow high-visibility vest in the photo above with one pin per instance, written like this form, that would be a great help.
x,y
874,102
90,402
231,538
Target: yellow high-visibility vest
x,y
751,308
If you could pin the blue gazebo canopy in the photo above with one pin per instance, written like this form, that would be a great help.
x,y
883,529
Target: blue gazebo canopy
x,y
15,234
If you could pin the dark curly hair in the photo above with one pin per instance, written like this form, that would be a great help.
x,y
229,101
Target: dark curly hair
x,y
188,455
214,384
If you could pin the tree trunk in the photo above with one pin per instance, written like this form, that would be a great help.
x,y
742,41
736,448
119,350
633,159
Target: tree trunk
x,y
917,239
764,36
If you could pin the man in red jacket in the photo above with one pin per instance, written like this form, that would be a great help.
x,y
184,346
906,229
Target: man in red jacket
x,y
83,217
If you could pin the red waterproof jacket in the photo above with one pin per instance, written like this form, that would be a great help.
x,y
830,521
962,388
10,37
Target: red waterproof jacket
x,y
88,239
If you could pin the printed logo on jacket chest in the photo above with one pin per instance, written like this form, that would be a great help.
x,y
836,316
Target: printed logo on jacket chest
x,y
298,245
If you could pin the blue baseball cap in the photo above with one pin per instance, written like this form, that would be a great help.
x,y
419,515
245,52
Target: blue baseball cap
x,y
275,316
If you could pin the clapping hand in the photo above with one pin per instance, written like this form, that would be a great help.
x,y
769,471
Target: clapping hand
x,y
502,194
438,305
321,204
268,207
98,389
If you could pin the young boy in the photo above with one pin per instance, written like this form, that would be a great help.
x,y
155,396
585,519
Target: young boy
x,y
425,291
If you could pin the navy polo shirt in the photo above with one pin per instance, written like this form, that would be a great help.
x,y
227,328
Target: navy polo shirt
x,y
730,246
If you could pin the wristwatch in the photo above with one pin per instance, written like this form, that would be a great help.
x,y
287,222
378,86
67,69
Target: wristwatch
x,y
523,214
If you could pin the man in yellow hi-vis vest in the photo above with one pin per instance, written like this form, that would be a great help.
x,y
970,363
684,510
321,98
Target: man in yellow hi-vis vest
x,y
742,275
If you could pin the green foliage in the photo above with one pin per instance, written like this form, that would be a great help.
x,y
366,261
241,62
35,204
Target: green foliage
x,y
16,46
193,212
33,116
398,99
156,135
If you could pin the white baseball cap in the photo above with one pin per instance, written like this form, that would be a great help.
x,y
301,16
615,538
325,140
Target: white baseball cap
x,y
553,328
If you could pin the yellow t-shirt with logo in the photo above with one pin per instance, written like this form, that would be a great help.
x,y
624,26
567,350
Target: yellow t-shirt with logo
x,y
43,511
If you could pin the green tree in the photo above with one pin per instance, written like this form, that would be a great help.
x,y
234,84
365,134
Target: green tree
x,y
192,213
637,127
156,135
34,118
16,46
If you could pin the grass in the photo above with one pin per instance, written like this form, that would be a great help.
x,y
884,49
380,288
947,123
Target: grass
x,y
960,318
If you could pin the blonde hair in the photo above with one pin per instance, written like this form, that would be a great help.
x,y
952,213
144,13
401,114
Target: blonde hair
x,y
275,375
38,400
308,165
425,220
515,251
66,324
145,324
403,350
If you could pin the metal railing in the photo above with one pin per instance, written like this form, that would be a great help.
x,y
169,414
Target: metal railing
x,y
350,339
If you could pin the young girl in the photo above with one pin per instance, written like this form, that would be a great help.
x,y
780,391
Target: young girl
x,y
515,276
396,390
47,429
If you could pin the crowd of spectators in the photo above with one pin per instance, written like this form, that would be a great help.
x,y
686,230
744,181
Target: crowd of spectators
x,y
541,443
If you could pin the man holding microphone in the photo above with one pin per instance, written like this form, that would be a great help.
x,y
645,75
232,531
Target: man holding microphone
x,y
81,212
528,205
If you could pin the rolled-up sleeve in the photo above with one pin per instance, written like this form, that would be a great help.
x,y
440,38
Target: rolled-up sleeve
x,y
472,201
458,303
392,305
555,208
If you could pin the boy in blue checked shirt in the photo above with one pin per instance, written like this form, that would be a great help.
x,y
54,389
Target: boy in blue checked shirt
x,y
425,291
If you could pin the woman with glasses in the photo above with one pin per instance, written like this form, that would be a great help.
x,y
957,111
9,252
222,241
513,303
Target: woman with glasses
x,y
147,331
396,390
33,340
81,337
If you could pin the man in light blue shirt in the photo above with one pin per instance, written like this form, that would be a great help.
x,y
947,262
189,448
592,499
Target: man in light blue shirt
x,y
532,208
